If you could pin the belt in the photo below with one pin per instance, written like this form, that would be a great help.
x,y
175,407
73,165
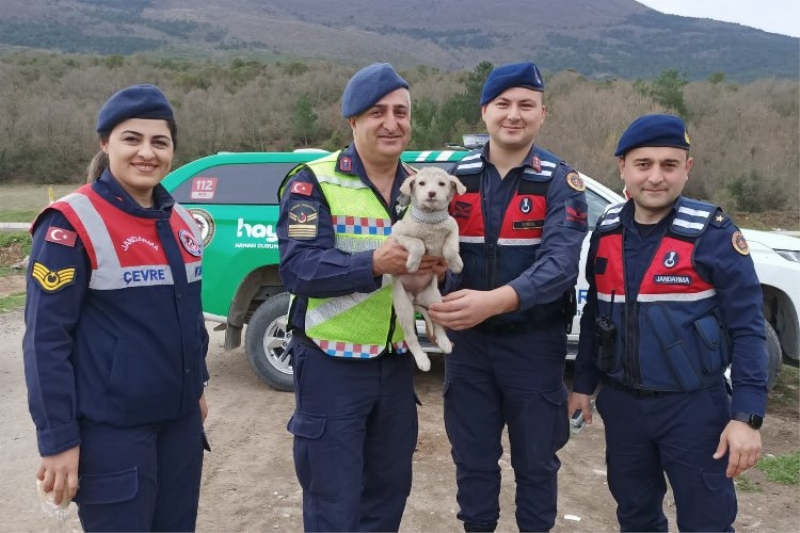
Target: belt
x,y
639,393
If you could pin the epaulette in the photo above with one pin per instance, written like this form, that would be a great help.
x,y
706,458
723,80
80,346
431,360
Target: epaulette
x,y
610,219
692,218
470,164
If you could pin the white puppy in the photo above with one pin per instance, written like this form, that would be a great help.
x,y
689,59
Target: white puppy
x,y
426,229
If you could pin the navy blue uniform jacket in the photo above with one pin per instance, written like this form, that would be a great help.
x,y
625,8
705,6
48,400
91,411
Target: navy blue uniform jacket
x,y
124,357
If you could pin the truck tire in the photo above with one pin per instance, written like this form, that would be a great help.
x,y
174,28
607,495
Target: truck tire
x,y
774,357
266,339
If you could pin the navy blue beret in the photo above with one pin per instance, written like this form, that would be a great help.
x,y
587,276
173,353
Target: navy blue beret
x,y
136,101
369,85
508,76
653,130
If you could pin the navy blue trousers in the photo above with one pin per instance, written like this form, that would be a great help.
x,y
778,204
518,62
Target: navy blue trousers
x,y
142,478
355,431
676,433
492,381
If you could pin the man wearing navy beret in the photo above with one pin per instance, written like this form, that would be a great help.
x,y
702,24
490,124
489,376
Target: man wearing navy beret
x,y
355,421
521,222
673,300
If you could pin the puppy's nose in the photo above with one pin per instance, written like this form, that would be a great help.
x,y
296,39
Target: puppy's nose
x,y
431,194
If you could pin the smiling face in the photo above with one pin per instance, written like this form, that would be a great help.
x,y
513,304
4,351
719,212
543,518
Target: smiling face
x,y
140,153
382,132
514,118
654,178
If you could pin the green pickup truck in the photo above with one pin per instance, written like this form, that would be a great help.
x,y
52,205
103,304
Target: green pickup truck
x,y
234,199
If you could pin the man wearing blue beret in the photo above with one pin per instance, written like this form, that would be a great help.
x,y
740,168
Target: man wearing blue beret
x,y
355,420
521,222
673,300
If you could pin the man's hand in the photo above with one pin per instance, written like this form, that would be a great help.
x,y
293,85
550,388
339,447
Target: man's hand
x,y
59,474
391,258
744,444
466,308
203,409
580,401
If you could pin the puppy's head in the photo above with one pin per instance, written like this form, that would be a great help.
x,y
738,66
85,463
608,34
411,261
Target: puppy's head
x,y
431,189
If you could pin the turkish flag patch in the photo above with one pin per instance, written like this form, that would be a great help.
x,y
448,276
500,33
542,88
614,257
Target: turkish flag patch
x,y
301,187
61,236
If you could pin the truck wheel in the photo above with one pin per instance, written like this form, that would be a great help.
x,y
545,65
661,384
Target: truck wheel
x,y
265,343
774,357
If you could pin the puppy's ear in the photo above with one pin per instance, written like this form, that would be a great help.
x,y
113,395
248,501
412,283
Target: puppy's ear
x,y
456,184
407,185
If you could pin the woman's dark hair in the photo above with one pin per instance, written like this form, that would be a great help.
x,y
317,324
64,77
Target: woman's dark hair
x,y
99,162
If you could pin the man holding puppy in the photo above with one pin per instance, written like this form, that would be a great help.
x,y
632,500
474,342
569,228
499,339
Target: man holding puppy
x,y
355,419
522,222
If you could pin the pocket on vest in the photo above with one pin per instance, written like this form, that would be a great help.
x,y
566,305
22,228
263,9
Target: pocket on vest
x,y
710,344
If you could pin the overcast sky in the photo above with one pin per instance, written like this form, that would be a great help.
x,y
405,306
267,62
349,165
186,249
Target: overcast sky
x,y
775,16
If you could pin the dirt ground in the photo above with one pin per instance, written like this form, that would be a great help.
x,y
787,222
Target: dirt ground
x,y
249,482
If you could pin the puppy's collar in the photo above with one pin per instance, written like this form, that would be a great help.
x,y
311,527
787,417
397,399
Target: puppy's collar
x,y
428,217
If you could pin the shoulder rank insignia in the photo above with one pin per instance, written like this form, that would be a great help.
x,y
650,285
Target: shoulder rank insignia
x,y
575,181
52,280
739,243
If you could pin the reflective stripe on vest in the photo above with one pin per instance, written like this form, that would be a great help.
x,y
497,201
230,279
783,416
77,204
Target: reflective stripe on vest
x,y
355,325
84,209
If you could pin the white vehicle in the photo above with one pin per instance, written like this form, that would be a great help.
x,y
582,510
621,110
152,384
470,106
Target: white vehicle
x,y
777,262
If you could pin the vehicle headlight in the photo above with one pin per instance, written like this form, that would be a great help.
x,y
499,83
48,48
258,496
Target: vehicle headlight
x,y
789,255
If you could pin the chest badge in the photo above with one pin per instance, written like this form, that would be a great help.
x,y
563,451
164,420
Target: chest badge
x,y
525,205
189,243
671,259
536,163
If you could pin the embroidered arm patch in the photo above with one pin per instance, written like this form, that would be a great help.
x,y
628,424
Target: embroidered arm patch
x,y
575,181
576,213
61,236
303,221
52,280
739,243
302,187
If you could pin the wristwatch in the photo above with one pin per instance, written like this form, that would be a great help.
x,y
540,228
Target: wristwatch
x,y
754,421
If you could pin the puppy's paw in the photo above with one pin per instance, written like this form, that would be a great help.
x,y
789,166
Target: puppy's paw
x,y
456,265
423,362
444,344
412,265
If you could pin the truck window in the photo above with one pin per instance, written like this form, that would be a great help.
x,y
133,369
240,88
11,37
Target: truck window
x,y
241,184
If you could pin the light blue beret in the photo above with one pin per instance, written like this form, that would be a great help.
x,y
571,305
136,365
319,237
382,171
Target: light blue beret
x,y
369,85
653,130
136,101
508,76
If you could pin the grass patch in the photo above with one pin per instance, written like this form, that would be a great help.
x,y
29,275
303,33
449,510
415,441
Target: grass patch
x,y
8,215
11,302
782,469
14,246
784,399
743,484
